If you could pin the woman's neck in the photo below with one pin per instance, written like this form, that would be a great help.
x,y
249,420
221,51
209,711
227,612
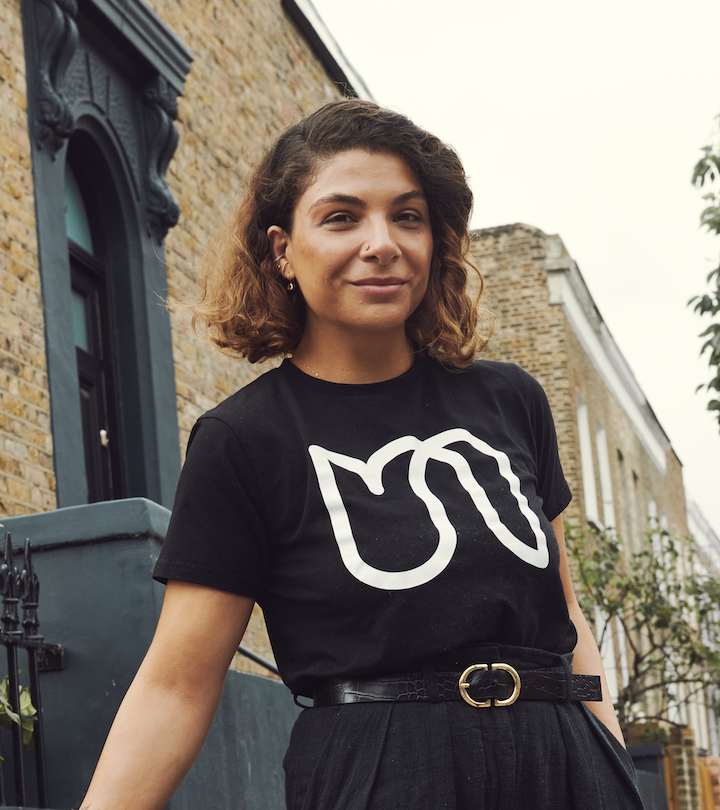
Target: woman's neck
x,y
354,362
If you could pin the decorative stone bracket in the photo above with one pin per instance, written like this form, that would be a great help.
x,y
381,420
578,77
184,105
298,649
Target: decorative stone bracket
x,y
56,37
160,109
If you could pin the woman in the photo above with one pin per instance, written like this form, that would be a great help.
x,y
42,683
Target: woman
x,y
395,508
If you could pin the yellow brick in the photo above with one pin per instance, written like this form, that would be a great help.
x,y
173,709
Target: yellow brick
x,y
18,490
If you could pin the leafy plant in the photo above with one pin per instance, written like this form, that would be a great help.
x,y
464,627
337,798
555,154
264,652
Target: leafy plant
x,y
668,608
708,169
25,718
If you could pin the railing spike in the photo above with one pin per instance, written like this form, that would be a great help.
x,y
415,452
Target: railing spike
x,y
27,557
29,592
8,550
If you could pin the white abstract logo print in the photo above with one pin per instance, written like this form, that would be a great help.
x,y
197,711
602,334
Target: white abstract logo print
x,y
434,448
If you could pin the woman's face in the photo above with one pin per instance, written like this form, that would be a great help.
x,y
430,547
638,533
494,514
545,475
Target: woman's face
x,y
361,246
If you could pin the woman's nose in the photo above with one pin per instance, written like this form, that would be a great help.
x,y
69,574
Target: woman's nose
x,y
380,245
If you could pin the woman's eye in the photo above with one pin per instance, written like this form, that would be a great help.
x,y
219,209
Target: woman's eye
x,y
339,219
409,216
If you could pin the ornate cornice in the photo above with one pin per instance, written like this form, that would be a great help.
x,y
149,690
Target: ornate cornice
x,y
148,36
160,109
56,37
52,41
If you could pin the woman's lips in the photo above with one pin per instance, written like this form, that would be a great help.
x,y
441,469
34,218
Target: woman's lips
x,y
383,286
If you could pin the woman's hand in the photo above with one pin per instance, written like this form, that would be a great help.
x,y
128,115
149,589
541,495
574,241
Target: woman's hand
x,y
587,659
166,714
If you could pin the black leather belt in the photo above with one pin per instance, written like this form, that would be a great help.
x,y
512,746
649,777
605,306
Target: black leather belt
x,y
480,685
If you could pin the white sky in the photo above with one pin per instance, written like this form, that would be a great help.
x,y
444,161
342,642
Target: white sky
x,y
584,120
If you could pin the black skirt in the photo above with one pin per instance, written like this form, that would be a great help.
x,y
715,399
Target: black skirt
x,y
539,754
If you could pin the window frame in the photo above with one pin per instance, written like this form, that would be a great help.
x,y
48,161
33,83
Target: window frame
x,y
57,109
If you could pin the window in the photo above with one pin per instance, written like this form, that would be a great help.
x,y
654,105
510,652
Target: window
x,y
586,462
103,80
604,636
605,478
622,650
94,346
653,525
627,510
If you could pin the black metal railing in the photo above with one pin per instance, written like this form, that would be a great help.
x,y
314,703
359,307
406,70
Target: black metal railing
x,y
258,659
22,590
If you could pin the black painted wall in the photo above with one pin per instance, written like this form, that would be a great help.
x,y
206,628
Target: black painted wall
x,y
98,600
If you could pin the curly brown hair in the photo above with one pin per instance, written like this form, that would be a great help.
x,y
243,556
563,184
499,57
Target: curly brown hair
x,y
244,305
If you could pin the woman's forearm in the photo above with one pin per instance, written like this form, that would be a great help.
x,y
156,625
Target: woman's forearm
x,y
167,712
587,661
153,742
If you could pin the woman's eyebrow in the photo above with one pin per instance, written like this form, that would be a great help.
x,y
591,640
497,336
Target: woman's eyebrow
x,y
349,199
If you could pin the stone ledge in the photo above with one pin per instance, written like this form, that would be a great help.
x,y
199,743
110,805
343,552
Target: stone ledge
x,y
108,520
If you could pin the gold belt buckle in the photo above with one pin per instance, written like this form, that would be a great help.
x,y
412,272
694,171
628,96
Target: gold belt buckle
x,y
463,686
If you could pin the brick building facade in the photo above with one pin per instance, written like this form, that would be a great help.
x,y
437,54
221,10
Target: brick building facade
x,y
252,72
27,481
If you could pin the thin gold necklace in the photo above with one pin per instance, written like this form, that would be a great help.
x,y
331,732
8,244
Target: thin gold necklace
x,y
309,368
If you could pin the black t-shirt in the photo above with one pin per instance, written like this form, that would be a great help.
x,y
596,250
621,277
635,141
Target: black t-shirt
x,y
382,525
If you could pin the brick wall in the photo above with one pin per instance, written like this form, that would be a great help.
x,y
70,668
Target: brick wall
x,y
710,781
27,482
253,74
683,771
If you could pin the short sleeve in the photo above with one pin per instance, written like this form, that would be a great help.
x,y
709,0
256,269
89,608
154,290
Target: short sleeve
x,y
217,536
551,484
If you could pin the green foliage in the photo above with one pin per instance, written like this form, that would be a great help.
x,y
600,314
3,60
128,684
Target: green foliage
x,y
708,169
668,611
25,718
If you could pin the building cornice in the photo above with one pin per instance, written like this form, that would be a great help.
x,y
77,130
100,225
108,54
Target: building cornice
x,y
310,24
566,286
148,35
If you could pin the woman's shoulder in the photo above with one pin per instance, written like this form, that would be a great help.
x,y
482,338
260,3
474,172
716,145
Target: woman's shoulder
x,y
259,398
496,372
502,381
499,369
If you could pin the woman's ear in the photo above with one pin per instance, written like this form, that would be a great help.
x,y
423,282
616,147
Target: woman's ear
x,y
278,240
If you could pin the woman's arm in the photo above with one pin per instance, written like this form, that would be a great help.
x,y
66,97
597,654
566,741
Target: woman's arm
x,y
166,714
587,656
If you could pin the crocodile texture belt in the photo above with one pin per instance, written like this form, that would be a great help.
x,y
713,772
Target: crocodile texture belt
x,y
480,685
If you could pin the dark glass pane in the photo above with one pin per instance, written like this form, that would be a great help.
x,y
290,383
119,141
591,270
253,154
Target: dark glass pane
x,y
77,224
80,320
98,401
